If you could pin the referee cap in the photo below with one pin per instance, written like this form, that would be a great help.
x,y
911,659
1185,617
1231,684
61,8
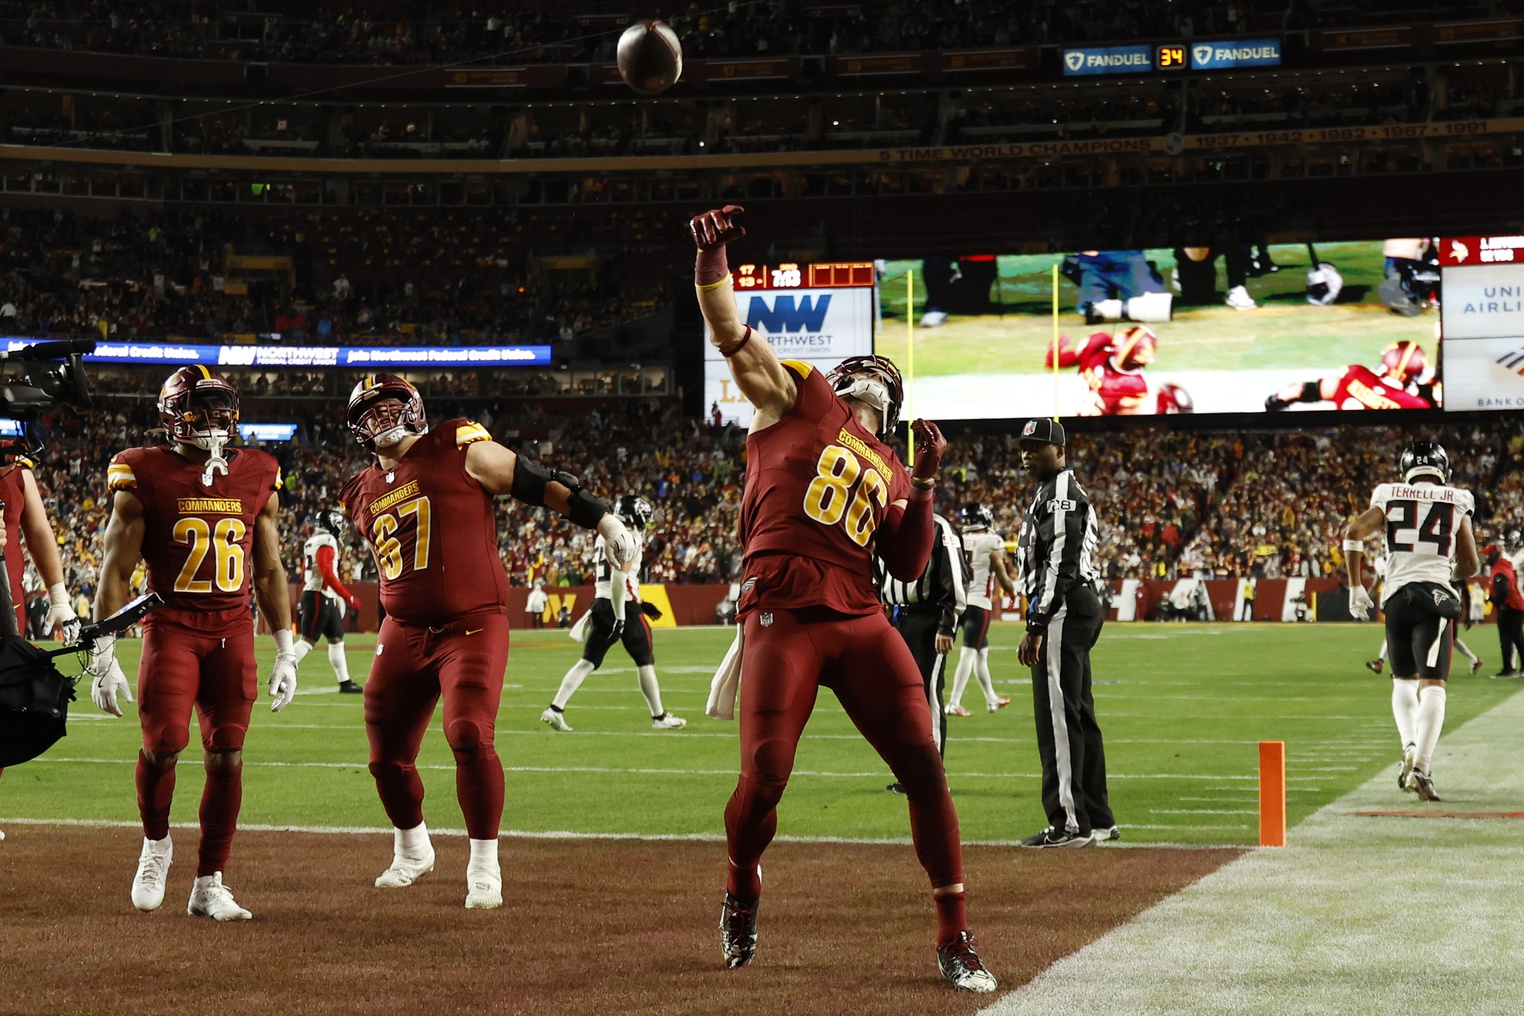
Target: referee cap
x,y
1042,431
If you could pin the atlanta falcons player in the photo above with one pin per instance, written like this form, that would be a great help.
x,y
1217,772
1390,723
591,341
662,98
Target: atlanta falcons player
x,y
985,550
324,597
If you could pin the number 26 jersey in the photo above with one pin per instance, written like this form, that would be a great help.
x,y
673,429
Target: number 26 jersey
x,y
1422,525
818,486
433,529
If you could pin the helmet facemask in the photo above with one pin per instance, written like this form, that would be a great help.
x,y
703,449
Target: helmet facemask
x,y
208,424
875,381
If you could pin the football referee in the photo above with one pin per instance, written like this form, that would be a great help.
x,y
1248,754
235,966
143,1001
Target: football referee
x,y
1064,615
925,613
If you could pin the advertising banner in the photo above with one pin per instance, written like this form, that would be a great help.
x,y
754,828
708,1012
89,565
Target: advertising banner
x,y
1226,55
1108,60
180,354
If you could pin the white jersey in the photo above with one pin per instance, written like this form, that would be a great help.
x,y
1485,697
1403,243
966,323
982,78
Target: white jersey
x,y
312,578
1423,522
603,572
980,548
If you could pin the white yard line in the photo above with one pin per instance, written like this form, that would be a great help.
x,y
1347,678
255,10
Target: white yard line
x,y
1358,915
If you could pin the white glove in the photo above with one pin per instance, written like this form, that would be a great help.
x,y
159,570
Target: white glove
x,y
619,544
61,614
283,673
1360,603
108,681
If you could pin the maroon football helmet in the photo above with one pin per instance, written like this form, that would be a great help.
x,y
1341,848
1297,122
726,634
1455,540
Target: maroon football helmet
x,y
377,388
1404,360
847,380
1134,348
195,400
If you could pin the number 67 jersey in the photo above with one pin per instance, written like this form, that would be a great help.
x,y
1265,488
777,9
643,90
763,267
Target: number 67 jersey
x,y
433,529
197,537
1422,524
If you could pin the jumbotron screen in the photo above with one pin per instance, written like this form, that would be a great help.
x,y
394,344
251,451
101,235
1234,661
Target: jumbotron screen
x,y
1270,328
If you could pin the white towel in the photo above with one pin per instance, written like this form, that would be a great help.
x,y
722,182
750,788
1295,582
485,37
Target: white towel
x,y
579,630
726,683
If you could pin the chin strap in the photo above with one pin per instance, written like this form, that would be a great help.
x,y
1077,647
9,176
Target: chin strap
x,y
871,391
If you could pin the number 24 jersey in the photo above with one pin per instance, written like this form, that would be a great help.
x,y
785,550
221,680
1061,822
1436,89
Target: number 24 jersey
x,y
1422,524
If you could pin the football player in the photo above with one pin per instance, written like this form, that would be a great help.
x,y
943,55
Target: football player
x,y
203,516
1112,365
824,492
425,505
1426,526
1398,386
618,614
985,550
324,598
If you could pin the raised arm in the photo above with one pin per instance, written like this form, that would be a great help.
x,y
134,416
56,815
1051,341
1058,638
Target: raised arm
x,y
754,365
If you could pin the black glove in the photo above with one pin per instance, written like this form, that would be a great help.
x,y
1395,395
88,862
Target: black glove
x,y
651,610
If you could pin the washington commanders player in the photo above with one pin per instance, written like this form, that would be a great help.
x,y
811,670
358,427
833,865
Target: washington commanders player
x,y
618,615
985,550
1398,386
1112,365
203,517
823,494
324,598
1426,526
425,506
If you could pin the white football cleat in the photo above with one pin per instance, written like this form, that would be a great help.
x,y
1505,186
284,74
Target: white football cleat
x,y
953,709
1239,299
484,888
405,870
668,722
153,872
210,898
556,720
1000,703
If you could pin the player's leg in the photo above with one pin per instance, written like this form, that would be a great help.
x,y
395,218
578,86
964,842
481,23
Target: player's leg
x,y
595,645
470,659
333,630
968,625
1374,666
775,703
1471,658
308,624
1399,643
639,644
229,686
168,673
1433,639
993,702
399,702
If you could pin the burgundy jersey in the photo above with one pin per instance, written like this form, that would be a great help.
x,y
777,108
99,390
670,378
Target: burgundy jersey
x,y
13,494
1113,391
197,537
1361,388
817,487
433,528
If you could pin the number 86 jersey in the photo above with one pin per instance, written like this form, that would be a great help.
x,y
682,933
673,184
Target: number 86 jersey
x,y
433,529
818,485
197,537
1422,525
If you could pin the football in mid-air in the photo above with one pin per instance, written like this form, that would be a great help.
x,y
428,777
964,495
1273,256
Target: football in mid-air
x,y
650,57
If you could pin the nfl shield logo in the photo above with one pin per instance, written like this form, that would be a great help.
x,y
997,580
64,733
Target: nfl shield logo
x,y
391,476
767,619
1027,431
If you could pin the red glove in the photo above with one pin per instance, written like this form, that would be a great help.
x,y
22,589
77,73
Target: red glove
x,y
354,602
929,446
717,227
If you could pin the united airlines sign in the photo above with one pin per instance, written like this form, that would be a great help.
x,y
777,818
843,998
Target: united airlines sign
x,y
1218,56
1108,60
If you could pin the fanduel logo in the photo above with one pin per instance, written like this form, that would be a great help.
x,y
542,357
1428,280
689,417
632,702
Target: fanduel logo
x,y
1201,54
785,315
1074,59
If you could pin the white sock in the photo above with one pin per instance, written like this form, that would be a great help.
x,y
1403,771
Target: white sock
x,y
483,856
960,679
1431,719
412,842
1382,654
650,689
1405,709
1465,650
302,648
571,682
982,673
339,661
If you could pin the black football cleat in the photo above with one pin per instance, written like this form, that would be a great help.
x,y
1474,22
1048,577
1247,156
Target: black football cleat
x,y
961,965
350,688
738,932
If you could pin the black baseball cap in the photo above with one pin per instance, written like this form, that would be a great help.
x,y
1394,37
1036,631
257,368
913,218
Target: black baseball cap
x,y
1042,431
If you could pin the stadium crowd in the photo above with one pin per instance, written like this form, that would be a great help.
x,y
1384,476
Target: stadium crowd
x,y
1172,504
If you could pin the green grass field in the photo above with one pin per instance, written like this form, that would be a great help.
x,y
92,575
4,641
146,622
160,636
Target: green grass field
x,y
1182,706
1285,331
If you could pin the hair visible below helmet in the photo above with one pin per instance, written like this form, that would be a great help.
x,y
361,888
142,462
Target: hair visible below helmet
x,y
1404,360
976,516
374,388
634,511
1424,458
1134,348
188,397
882,388
331,521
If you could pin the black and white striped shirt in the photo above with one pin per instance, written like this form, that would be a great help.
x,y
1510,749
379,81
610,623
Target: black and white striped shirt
x,y
1056,549
944,583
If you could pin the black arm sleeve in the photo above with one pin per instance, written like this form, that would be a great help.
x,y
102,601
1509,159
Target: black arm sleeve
x,y
530,480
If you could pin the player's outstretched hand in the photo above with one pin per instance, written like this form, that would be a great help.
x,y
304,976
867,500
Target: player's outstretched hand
x,y
1360,604
929,446
651,610
108,683
717,227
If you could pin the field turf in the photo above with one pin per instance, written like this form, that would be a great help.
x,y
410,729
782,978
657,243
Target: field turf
x,y
1182,707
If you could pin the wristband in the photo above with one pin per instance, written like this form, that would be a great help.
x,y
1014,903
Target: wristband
x,y
710,269
1355,545
283,642
58,596
728,353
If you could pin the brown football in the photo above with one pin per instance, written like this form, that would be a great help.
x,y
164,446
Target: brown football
x,y
650,57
